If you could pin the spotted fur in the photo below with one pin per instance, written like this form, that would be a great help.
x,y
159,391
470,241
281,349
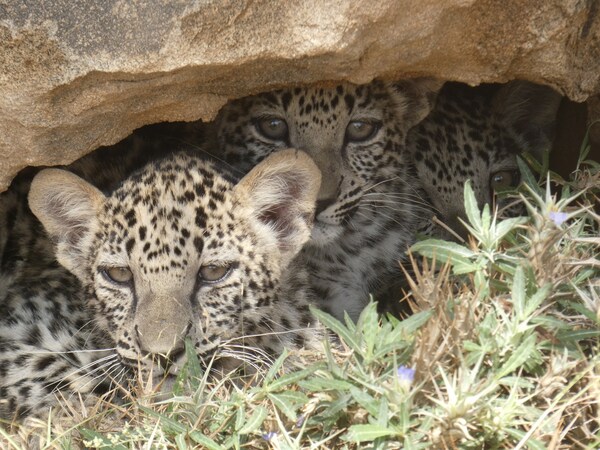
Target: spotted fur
x,y
476,134
180,250
370,203
23,243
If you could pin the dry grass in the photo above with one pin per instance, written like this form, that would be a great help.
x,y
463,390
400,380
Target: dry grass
x,y
501,351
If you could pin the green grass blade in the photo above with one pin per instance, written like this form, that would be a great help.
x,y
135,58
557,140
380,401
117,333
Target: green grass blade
x,y
255,421
471,208
288,402
518,292
444,251
325,384
276,367
288,379
338,328
528,177
171,426
204,441
365,400
366,433
368,324
521,354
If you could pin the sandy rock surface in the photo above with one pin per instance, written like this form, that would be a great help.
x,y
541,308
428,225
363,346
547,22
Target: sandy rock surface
x,y
77,74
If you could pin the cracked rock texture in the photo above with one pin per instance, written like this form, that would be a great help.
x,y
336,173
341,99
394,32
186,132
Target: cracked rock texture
x,y
77,74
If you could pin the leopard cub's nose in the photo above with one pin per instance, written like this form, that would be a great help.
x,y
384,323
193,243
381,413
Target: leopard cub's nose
x,y
167,360
166,342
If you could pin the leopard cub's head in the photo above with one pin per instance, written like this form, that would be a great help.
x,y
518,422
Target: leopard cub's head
x,y
181,250
354,133
477,134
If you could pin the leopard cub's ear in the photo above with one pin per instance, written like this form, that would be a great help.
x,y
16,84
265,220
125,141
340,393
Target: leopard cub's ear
x,y
414,99
281,193
68,208
529,111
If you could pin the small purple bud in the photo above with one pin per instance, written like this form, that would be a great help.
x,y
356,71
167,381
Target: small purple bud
x,y
558,217
406,374
300,421
268,436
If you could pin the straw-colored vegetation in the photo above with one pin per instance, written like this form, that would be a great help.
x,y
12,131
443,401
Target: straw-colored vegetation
x,y
501,351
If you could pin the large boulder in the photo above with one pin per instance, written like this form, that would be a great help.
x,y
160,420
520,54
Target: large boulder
x,y
75,75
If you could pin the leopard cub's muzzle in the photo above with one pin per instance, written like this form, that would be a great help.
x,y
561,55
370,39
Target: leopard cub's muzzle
x,y
161,327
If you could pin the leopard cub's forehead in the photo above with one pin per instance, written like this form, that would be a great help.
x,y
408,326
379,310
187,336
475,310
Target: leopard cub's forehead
x,y
169,207
333,101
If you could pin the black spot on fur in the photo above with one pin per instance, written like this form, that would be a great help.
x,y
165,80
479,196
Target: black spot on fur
x,y
129,245
199,244
200,218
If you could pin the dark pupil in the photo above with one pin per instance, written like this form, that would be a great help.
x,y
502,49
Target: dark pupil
x,y
273,128
119,274
359,127
360,130
213,273
274,125
505,179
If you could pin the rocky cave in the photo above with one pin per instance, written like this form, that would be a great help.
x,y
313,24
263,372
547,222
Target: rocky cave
x,y
75,76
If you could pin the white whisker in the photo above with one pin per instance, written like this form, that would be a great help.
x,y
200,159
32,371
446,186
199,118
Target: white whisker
x,y
252,356
381,182
82,372
69,352
387,216
253,350
377,211
385,203
269,333
399,195
202,150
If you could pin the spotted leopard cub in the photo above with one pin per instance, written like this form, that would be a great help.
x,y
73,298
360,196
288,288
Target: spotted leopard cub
x,y
180,251
370,203
476,134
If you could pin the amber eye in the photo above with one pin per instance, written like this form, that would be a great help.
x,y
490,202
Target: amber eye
x,y
504,180
361,130
272,128
119,275
212,273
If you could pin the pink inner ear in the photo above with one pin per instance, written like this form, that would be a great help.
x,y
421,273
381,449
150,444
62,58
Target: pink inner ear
x,y
283,215
294,187
281,218
73,227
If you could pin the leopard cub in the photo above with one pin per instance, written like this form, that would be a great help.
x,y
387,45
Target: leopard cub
x,y
180,252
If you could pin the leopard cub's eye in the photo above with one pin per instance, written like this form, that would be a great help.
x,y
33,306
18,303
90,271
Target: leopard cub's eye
x,y
212,273
361,130
119,275
504,179
273,128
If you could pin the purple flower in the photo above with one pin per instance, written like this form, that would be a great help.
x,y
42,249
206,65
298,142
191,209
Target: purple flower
x,y
406,374
300,421
268,436
558,217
